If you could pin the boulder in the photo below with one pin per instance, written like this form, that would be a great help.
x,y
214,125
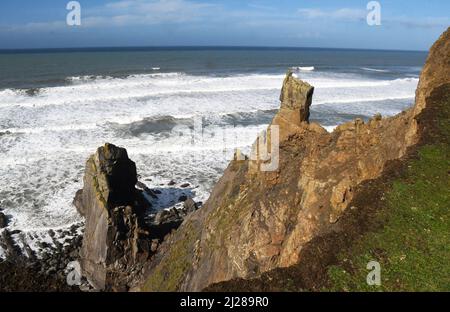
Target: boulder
x,y
146,189
170,216
190,205
3,220
161,216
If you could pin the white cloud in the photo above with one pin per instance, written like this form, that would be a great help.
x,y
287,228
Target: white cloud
x,y
425,22
261,7
36,26
119,13
156,11
352,14
130,12
339,14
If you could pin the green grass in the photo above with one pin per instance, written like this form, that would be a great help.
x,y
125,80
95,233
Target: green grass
x,y
413,246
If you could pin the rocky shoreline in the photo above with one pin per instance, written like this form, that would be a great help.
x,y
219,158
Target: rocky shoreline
x,y
43,268
254,222
43,262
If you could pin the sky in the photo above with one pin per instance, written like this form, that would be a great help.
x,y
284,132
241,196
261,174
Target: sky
x,y
405,24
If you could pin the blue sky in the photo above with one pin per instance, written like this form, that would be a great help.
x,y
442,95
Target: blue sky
x,y
406,24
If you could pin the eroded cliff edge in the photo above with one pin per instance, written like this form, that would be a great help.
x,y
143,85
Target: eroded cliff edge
x,y
256,221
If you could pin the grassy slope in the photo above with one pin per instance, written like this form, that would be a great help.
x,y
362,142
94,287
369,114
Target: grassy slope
x,y
413,246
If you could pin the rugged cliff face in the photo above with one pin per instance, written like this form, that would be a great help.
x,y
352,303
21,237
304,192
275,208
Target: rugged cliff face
x,y
255,220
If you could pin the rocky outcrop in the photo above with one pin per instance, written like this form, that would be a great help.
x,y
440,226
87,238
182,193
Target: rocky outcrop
x,y
255,220
296,98
3,220
435,71
115,242
121,230
40,266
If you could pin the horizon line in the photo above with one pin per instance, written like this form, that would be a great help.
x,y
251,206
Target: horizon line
x,y
168,47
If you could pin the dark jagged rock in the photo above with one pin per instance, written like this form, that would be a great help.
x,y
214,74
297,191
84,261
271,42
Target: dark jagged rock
x,y
119,237
109,180
7,243
147,190
114,242
161,217
22,270
78,202
190,205
172,215
3,220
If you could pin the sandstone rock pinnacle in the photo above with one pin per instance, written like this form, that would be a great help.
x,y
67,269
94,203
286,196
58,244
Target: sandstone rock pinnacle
x,y
296,98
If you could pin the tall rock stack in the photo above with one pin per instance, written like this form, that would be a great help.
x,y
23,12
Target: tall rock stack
x,y
114,239
296,98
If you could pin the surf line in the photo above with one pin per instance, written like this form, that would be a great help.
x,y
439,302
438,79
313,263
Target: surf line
x,y
197,302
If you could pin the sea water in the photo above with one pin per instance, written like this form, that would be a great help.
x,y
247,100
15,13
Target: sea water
x,y
58,106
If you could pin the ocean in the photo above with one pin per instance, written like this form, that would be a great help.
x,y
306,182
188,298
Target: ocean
x,y
58,106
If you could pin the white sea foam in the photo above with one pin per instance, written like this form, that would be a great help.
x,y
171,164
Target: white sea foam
x,y
46,138
303,68
375,70
70,127
106,90
136,87
330,128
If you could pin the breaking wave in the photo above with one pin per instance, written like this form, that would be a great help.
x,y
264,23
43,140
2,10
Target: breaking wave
x,y
46,134
303,68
